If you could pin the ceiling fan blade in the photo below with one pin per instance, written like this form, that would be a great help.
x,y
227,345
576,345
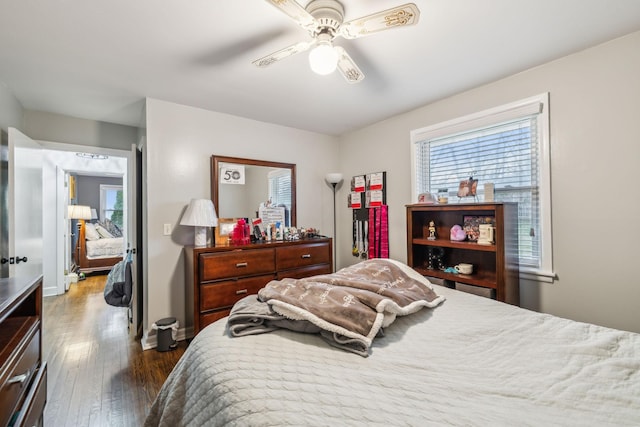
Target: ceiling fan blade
x,y
347,67
282,54
296,12
400,16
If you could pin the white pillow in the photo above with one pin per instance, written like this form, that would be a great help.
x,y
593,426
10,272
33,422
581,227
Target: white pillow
x,y
103,232
90,232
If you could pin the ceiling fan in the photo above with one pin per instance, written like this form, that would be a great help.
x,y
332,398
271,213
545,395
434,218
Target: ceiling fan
x,y
324,21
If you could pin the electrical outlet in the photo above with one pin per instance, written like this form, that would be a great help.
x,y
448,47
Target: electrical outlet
x,y
167,229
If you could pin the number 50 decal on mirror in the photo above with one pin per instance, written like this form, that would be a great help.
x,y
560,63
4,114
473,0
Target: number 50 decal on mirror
x,y
232,174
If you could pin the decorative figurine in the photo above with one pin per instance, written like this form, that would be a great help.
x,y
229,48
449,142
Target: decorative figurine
x,y
432,231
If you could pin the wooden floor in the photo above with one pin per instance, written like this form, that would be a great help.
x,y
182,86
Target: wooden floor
x,y
97,374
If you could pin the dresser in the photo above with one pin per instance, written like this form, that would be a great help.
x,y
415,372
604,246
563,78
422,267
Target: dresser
x,y
219,276
23,374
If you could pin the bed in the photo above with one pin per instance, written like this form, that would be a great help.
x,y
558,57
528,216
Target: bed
x,y
466,361
100,247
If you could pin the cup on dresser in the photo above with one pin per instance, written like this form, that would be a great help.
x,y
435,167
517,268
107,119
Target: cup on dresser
x,y
464,268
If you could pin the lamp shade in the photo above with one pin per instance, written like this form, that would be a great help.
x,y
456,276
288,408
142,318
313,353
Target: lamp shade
x,y
79,212
333,177
94,214
201,214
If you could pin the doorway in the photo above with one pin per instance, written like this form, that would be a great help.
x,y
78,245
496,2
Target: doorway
x,y
97,243
58,163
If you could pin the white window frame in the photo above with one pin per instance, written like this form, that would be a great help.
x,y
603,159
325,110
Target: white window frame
x,y
103,191
274,177
535,104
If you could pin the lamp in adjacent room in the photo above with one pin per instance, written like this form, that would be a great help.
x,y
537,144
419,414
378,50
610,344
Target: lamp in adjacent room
x,y
80,213
200,214
334,178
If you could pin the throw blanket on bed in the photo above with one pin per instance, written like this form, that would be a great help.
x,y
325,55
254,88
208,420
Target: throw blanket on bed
x,y
348,307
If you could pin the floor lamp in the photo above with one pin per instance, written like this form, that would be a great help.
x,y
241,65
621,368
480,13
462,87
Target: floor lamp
x,y
80,213
334,179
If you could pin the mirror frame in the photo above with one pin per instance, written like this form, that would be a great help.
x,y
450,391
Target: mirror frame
x,y
215,172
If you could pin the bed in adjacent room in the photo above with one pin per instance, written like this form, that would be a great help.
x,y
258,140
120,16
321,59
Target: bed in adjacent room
x,y
459,359
101,246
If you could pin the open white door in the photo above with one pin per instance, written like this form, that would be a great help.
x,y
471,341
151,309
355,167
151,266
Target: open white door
x,y
25,205
133,214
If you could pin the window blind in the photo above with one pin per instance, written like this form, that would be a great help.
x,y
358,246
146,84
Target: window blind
x,y
280,188
505,154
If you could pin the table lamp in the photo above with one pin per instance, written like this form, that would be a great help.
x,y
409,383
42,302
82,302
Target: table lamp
x,y
200,214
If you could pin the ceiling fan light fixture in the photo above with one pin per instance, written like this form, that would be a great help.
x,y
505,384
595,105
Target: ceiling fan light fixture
x,y
323,58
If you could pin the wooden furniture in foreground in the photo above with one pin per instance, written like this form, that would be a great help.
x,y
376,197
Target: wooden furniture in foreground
x,y
496,266
218,277
23,374
90,265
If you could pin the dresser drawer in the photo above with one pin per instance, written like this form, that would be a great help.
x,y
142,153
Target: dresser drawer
x,y
224,265
31,412
16,383
226,293
300,273
302,255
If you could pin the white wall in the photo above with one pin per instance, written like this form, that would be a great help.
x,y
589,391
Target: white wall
x,y
180,143
11,112
73,130
595,152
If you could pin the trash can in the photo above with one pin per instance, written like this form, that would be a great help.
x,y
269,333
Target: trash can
x,y
165,329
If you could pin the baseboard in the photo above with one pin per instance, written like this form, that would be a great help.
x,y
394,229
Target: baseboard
x,y
149,338
50,291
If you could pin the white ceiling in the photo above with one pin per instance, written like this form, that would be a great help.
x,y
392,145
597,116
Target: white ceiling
x,y
99,59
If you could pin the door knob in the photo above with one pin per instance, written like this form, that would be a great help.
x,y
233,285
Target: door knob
x,y
4,260
19,260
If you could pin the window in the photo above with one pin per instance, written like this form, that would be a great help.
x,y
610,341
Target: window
x,y
508,146
111,204
280,191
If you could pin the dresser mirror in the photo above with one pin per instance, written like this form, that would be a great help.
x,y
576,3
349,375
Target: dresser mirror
x,y
240,186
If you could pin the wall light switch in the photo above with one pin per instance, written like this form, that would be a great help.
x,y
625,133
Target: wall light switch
x,y
167,229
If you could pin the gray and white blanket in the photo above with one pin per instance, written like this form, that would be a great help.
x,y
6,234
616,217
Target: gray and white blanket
x,y
348,308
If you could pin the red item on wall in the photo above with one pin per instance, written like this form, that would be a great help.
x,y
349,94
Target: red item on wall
x,y
379,232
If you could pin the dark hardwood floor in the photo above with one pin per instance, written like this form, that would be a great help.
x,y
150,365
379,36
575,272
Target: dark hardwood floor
x,y
97,374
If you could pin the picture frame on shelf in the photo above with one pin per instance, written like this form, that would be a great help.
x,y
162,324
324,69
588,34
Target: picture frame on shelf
x,y
468,188
471,225
223,230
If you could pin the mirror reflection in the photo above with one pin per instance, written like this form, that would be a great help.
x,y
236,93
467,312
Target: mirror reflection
x,y
248,188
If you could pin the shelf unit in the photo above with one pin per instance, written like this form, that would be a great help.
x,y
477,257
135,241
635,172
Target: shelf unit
x,y
496,270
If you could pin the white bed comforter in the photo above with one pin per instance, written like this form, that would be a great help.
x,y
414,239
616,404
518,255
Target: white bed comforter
x,y
105,247
471,361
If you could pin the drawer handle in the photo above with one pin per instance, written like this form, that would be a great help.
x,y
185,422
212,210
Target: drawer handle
x,y
241,291
305,256
19,378
241,264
